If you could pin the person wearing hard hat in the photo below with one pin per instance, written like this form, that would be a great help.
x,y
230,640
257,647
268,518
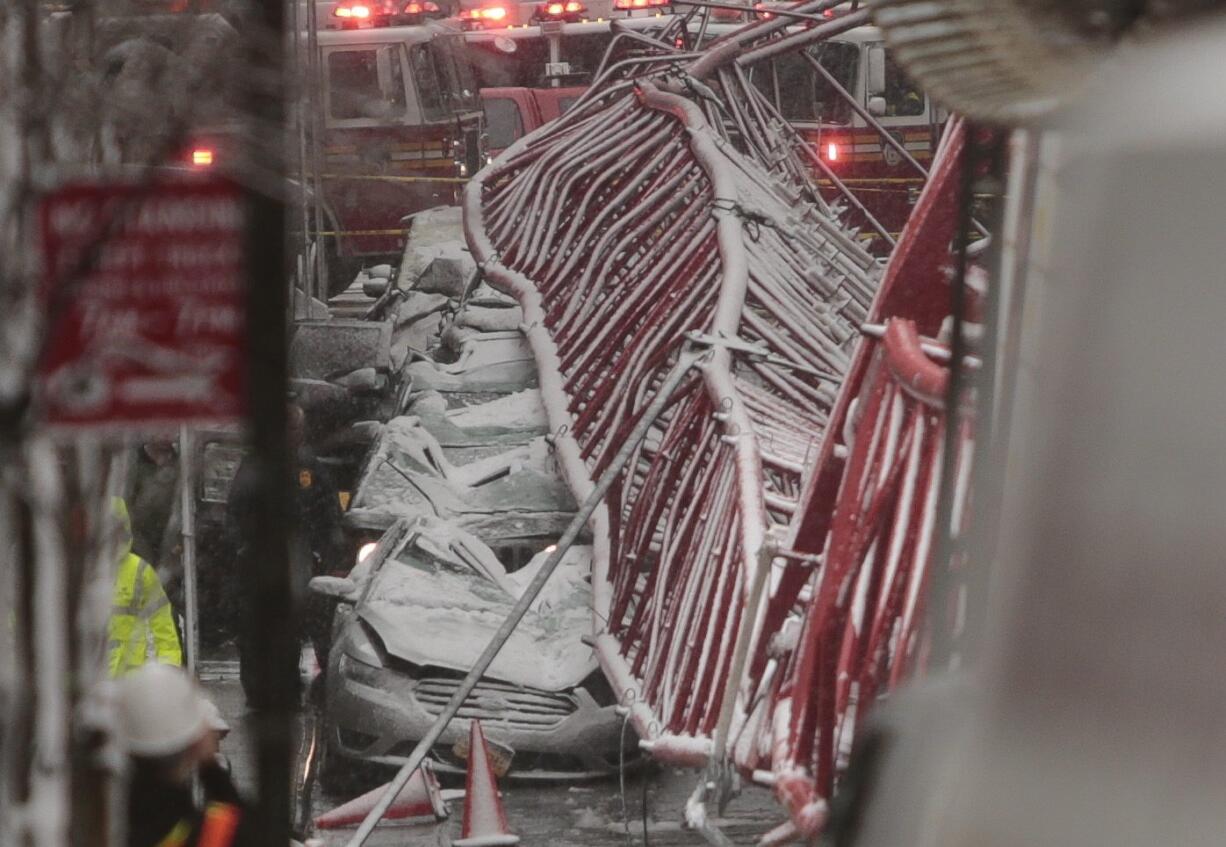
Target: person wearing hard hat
x,y
142,622
171,734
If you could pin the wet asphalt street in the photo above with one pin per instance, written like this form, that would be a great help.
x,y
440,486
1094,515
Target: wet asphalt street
x,y
589,813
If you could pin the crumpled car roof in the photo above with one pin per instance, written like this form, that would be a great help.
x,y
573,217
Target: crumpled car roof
x,y
408,474
431,605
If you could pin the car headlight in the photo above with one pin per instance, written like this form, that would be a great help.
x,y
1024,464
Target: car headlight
x,y
361,648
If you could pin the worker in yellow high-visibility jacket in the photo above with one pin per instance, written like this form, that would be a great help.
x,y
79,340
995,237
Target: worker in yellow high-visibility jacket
x,y
142,623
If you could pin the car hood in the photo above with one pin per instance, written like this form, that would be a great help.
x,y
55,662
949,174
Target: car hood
x,y
445,618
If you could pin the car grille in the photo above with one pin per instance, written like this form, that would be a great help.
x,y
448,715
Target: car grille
x,y
525,708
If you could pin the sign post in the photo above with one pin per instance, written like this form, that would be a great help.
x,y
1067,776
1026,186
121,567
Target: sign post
x,y
187,509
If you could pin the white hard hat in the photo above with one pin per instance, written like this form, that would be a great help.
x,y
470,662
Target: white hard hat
x,y
161,712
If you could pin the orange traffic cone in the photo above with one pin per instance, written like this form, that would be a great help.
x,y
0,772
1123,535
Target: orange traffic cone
x,y
485,822
420,799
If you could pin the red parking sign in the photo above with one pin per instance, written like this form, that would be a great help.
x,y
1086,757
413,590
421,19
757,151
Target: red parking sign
x,y
144,286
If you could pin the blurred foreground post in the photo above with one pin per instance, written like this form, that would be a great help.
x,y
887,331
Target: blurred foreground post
x,y
187,506
269,614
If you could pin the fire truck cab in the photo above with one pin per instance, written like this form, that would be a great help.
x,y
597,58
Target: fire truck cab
x,y
400,129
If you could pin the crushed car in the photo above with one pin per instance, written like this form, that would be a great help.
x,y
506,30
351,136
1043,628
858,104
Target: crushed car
x,y
513,498
412,619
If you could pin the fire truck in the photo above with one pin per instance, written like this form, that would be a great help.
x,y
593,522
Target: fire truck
x,y
871,130
400,129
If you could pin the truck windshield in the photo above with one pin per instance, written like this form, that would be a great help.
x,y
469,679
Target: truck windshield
x,y
503,122
583,53
801,94
444,81
508,62
365,83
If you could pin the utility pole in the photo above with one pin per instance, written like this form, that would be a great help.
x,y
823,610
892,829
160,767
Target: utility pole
x,y
269,613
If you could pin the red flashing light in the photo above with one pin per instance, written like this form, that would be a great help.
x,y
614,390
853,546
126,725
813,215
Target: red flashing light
x,y
356,11
427,8
762,13
828,13
832,152
202,157
572,7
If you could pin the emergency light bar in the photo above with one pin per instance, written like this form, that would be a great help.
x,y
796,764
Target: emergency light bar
x,y
414,7
354,12
561,10
495,16
631,5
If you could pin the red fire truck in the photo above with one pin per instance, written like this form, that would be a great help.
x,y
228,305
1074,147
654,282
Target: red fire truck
x,y
400,130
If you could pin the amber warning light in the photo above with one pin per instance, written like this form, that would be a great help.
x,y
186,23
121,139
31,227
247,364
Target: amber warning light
x,y
558,9
356,11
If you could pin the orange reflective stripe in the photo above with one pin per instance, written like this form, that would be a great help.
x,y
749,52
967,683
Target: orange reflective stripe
x,y
220,822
